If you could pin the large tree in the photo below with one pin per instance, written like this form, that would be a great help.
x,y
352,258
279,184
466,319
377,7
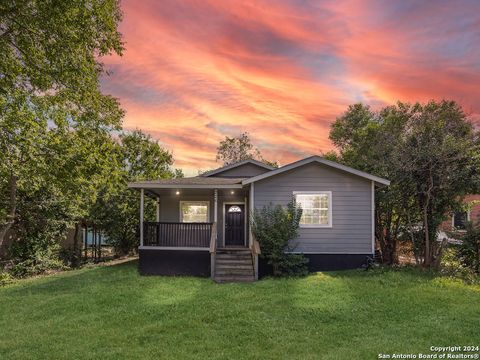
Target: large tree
x,y
235,149
49,88
438,154
367,141
137,157
428,151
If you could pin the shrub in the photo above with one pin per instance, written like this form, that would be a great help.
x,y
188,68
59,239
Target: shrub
x,y
469,249
36,266
5,278
71,257
274,227
452,266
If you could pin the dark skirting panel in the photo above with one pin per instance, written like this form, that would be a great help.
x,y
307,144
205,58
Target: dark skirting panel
x,y
174,262
322,262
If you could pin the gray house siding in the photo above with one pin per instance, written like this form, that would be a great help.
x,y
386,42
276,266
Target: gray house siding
x,y
351,231
170,209
242,171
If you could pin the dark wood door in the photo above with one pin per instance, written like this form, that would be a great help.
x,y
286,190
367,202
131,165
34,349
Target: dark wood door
x,y
234,225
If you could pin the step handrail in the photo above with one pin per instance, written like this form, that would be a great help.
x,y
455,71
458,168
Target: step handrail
x,y
213,250
213,239
255,249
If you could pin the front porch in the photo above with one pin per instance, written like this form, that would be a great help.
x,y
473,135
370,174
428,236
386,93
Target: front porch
x,y
199,229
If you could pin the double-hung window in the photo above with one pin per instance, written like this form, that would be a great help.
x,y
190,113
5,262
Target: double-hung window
x,y
316,208
194,211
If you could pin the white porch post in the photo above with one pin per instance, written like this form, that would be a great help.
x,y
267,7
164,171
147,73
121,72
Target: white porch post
x,y
215,205
157,217
212,252
142,193
251,208
373,219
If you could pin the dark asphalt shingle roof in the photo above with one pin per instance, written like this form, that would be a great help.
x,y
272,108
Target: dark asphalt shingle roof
x,y
196,180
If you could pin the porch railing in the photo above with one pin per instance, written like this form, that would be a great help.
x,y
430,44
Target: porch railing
x,y
174,234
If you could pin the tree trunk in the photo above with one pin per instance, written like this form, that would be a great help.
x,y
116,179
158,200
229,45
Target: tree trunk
x,y
412,236
387,238
427,237
12,208
390,250
426,225
388,246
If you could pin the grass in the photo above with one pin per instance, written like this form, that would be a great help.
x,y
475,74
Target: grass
x,y
111,312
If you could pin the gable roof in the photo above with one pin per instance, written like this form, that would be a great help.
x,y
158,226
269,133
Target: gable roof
x,y
319,160
237,164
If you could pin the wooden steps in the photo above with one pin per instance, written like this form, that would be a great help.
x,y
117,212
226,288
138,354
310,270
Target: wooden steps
x,y
234,265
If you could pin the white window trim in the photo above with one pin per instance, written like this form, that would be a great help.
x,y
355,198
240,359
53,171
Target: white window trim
x,y
330,212
180,216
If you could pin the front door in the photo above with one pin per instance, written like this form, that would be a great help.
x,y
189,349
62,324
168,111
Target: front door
x,y
234,225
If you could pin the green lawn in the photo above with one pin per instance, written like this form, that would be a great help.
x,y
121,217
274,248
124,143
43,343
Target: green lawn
x,y
111,312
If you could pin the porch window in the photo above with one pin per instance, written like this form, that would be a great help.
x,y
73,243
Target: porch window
x,y
194,211
316,208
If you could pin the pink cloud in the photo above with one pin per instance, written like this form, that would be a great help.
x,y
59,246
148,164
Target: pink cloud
x,y
194,72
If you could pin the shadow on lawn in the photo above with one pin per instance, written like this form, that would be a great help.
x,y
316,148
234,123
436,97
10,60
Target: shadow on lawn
x,y
279,318
73,279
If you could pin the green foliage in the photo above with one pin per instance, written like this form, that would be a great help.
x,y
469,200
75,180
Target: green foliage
x,y
438,155
453,267
49,55
42,220
430,154
235,149
275,227
332,156
53,117
469,249
138,157
37,266
5,278
61,161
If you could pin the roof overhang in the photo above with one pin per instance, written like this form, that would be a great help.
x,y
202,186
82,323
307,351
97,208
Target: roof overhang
x,y
237,164
139,185
320,160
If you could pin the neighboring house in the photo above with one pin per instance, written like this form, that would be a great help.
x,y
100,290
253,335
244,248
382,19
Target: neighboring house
x,y
457,222
202,223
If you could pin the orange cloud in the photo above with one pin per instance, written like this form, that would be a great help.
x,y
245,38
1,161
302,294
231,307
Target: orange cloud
x,y
194,72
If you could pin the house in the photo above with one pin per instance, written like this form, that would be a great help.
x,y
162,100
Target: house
x,y
202,223
458,220
456,223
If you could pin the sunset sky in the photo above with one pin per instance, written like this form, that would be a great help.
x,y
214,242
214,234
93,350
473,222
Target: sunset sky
x,y
195,71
